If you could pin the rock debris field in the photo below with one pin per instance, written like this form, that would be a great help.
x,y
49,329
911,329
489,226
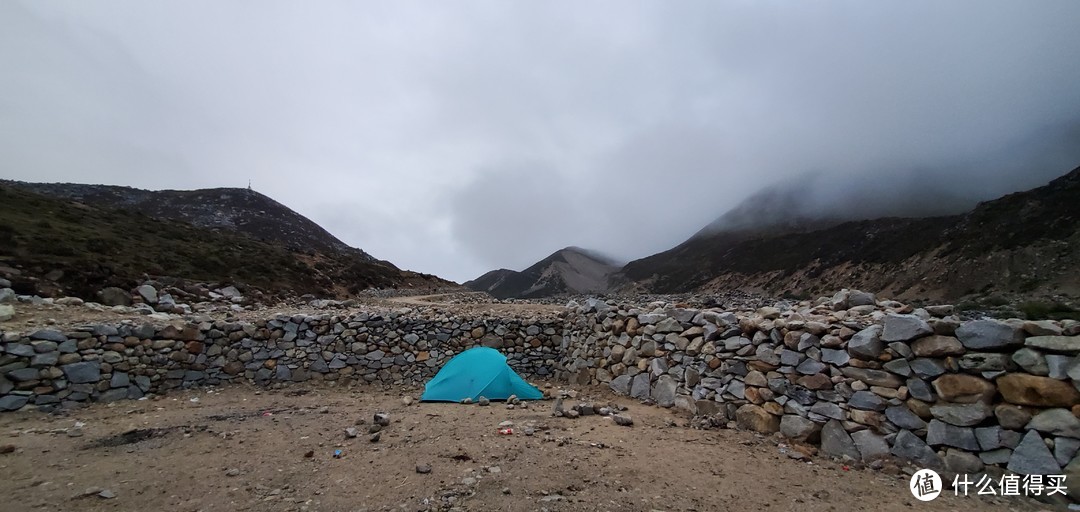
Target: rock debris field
x,y
245,448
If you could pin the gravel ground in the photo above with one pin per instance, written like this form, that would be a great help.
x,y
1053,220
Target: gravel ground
x,y
241,448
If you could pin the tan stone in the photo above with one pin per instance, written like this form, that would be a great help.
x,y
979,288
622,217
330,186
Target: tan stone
x,y
756,418
815,382
751,394
937,346
1024,389
920,408
964,389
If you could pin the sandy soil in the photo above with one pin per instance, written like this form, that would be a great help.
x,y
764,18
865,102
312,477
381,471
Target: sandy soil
x,y
244,449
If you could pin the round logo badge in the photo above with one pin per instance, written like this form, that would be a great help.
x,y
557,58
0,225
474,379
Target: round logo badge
x,y
925,485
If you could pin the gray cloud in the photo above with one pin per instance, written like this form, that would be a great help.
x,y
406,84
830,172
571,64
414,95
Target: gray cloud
x,y
455,138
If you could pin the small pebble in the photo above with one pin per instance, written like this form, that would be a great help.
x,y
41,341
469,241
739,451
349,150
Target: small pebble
x,y
423,469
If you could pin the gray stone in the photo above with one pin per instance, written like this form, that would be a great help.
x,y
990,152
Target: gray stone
x,y
908,446
664,391
866,344
113,296
13,402
668,325
962,415
902,417
119,380
867,401
1032,361
1067,344
899,367
940,433
7,312
7,295
113,395
48,335
1032,457
797,427
986,362
959,461
85,372
23,374
904,328
870,445
1065,448
997,457
1011,416
990,438
19,349
1058,366
46,359
791,357
810,367
640,388
148,293
927,368
989,334
737,389
828,410
835,357
621,384
835,441
1059,422
873,377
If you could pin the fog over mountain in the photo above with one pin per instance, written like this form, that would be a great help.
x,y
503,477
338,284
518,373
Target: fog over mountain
x,y
463,137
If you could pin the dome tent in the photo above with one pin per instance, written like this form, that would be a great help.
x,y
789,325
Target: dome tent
x,y
477,372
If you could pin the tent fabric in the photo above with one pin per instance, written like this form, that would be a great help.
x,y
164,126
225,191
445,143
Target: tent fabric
x,y
479,371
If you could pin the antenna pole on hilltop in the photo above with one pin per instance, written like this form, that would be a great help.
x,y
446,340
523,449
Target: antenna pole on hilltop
x,y
249,185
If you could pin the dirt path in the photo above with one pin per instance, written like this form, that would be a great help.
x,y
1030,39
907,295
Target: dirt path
x,y
223,452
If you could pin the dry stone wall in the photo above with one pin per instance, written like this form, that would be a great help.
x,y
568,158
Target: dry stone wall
x,y
55,368
861,378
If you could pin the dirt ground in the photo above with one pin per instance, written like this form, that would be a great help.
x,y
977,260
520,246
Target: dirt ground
x,y
244,449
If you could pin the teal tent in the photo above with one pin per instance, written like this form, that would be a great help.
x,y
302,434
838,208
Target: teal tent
x,y
477,372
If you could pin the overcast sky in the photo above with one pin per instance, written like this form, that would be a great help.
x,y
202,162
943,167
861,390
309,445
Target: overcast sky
x,y
457,137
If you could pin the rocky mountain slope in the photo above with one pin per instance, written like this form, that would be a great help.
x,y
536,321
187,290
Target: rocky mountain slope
x,y
569,270
1027,242
235,209
56,245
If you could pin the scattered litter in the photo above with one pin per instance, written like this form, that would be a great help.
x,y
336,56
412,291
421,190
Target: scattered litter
x,y
506,431
338,454
267,413
79,424
194,400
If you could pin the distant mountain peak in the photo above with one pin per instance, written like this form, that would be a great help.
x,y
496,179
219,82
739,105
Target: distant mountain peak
x,y
568,270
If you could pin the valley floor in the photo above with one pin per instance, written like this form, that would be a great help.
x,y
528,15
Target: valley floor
x,y
244,449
